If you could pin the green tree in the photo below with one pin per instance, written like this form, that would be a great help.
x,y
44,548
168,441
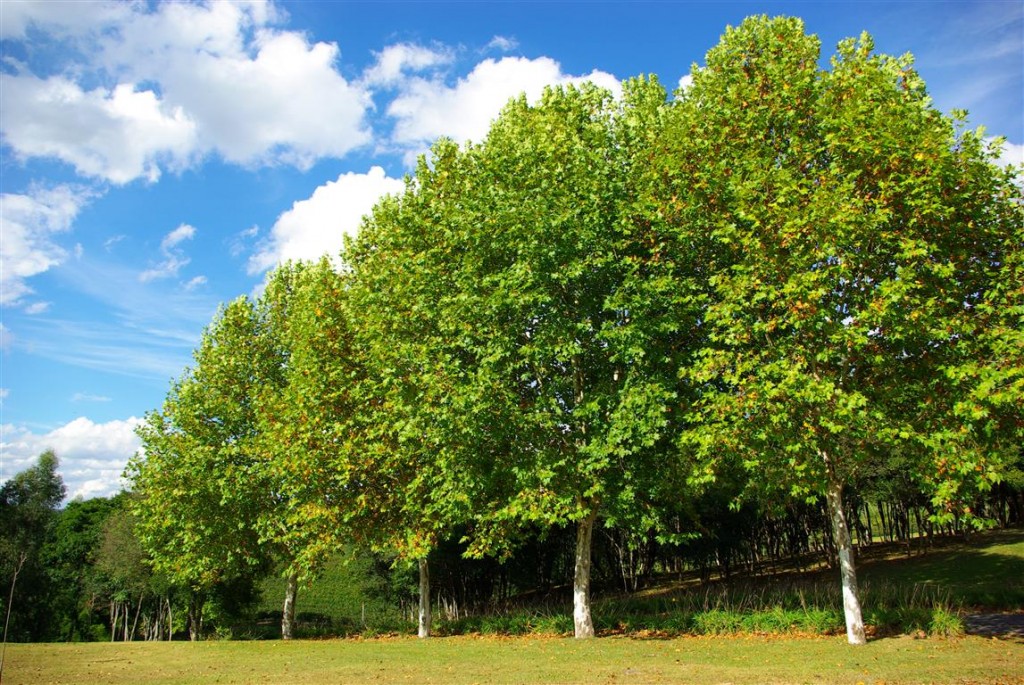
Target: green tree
x,y
315,484
28,512
69,557
196,485
494,285
852,234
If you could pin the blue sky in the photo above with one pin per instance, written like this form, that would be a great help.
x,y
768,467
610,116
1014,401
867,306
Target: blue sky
x,y
159,158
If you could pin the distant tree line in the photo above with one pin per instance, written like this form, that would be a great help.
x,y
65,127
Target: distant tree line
x,y
769,318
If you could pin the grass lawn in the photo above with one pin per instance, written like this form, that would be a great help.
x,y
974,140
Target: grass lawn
x,y
751,659
986,572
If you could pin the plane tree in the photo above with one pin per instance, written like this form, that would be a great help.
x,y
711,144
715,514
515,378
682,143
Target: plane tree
x,y
856,242
197,486
500,275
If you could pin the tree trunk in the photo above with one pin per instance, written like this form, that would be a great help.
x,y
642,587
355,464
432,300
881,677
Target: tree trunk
x,y
195,617
424,627
583,622
288,613
851,596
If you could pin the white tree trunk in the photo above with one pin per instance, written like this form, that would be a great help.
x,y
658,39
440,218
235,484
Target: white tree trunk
x,y
583,622
288,613
851,596
424,627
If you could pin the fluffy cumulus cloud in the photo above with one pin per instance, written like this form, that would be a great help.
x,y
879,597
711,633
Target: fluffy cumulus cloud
x,y
92,455
176,82
29,223
396,61
316,226
119,134
428,108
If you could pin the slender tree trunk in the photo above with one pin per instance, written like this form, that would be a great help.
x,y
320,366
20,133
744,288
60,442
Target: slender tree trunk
x,y
195,617
10,603
841,533
135,623
425,620
291,590
583,622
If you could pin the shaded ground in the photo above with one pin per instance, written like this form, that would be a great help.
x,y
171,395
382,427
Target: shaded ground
x,y
1005,624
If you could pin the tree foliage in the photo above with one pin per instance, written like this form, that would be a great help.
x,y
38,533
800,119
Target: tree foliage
x,y
856,234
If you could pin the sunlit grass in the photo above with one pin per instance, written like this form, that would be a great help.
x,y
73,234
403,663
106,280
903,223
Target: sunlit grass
x,y
455,660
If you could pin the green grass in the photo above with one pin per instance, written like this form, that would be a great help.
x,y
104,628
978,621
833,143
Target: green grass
x,y
523,660
987,572
926,593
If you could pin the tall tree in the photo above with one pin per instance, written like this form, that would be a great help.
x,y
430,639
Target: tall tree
x,y
305,424
851,232
69,556
196,497
500,271
28,512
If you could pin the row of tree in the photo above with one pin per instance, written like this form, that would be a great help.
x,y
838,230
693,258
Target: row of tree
x,y
601,310
79,572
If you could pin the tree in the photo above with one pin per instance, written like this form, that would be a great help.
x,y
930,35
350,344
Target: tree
x,y
851,234
305,427
498,277
69,556
28,511
196,496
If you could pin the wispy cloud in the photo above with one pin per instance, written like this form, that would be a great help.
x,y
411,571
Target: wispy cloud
x,y
502,44
88,397
195,283
174,258
30,222
148,330
6,338
38,307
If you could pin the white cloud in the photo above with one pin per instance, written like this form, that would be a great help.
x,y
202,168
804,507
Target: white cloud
x,y
92,455
503,43
118,135
395,60
1012,154
180,81
4,392
88,397
109,243
28,223
174,258
429,108
316,226
38,307
61,18
6,338
181,233
685,82
195,283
